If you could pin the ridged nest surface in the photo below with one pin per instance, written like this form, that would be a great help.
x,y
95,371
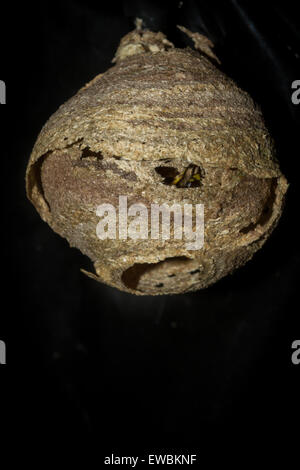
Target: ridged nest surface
x,y
131,131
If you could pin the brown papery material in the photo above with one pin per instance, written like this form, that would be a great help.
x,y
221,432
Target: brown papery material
x,y
157,113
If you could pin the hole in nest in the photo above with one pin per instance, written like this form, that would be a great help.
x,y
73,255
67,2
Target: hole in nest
x,y
167,172
148,276
189,178
87,152
266,212
195,271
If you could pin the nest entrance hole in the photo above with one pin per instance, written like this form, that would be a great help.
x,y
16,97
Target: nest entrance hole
x,y
161,276
190,177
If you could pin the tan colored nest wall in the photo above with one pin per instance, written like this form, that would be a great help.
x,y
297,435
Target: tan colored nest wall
x,y
157,111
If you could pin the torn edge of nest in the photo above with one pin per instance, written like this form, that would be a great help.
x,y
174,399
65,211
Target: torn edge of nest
x,y
201,43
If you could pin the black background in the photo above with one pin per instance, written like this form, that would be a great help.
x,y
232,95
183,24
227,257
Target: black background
x,y
133,374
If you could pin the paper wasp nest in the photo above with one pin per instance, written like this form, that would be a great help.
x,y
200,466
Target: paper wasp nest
x,y
163,125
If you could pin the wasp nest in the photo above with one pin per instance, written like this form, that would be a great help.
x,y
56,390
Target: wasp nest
x,y
163,125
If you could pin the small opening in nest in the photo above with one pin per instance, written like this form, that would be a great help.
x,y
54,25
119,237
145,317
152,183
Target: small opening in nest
x,y
189,178
266,212
150,276
87,152
168,173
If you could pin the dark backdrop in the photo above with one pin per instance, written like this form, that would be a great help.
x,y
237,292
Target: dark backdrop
x,y
85,360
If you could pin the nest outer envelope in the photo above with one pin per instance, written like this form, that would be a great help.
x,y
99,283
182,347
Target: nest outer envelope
x,y
159,109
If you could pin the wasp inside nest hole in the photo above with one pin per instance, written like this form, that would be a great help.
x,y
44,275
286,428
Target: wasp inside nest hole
x,y
189,178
